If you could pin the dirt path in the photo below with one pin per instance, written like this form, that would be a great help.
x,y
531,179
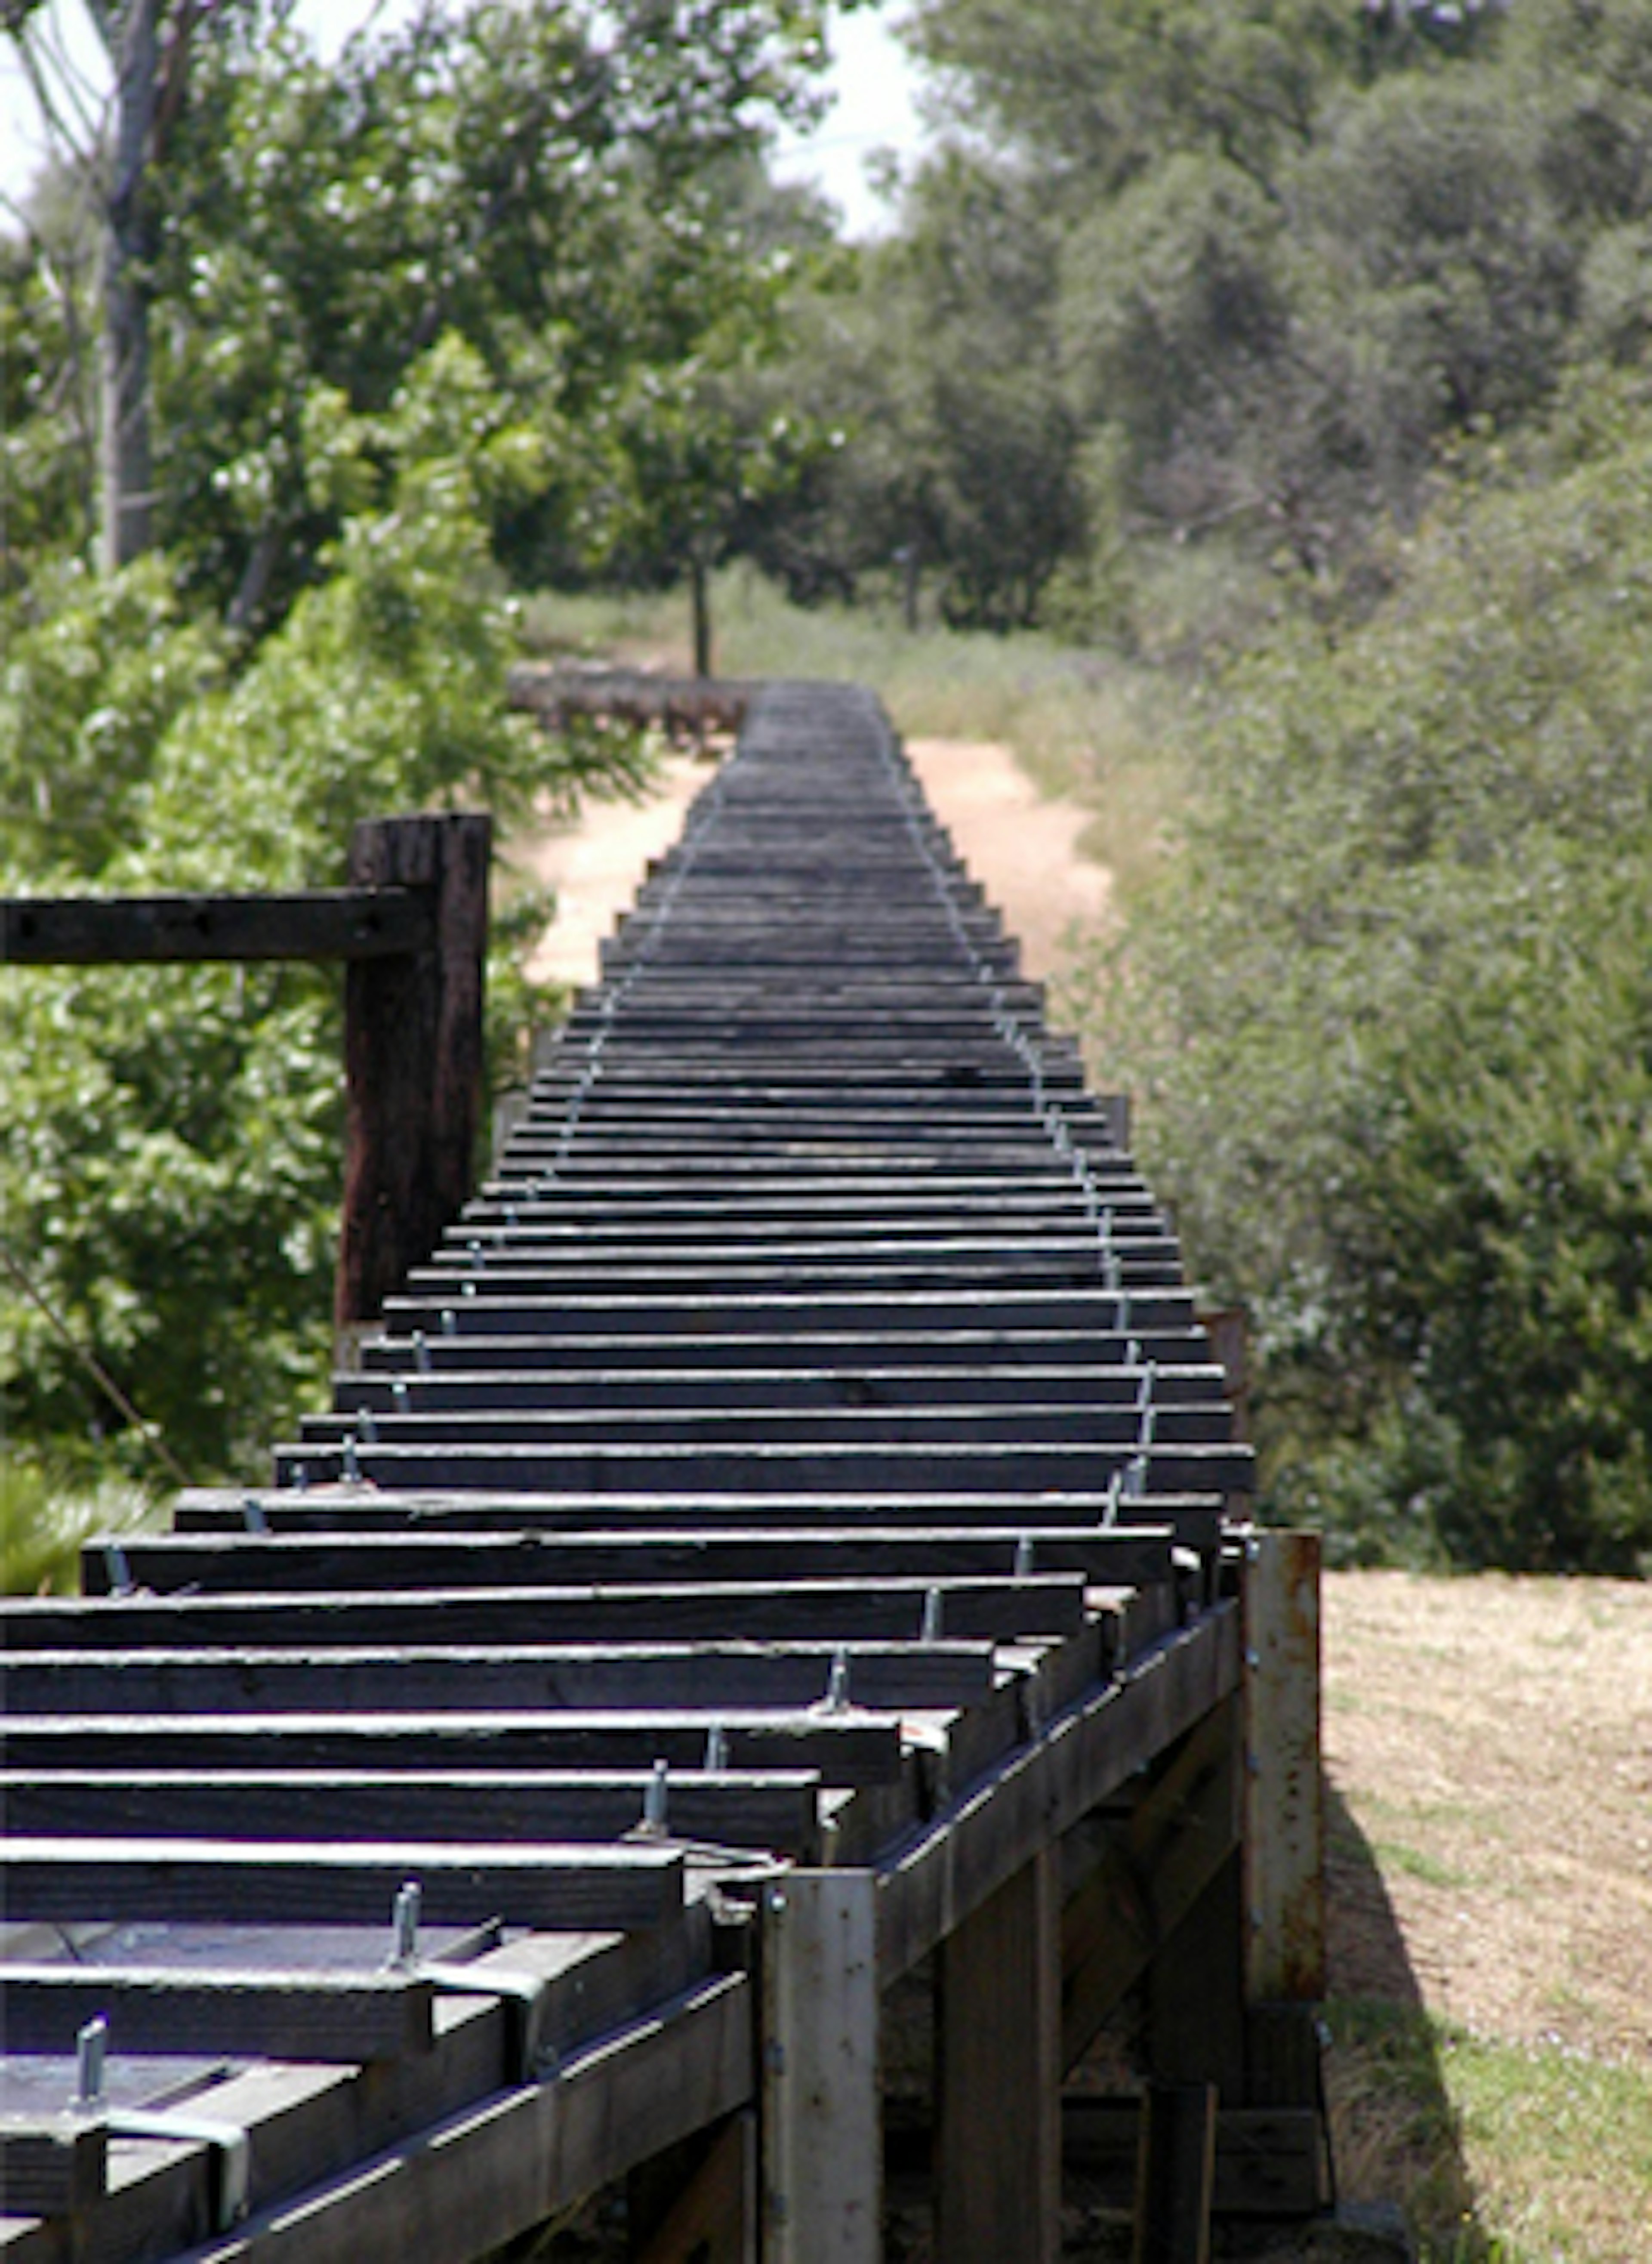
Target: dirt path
x,y
1021,848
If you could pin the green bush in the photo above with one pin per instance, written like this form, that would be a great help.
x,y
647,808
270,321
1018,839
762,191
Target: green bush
x,y
1394,1029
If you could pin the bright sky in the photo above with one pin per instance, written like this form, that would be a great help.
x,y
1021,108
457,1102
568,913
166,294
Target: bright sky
x,y
871,82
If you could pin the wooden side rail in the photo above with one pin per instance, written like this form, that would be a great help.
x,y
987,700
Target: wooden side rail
x,y
321,924
412,930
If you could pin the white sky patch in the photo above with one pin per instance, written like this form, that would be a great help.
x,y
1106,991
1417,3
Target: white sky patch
x,y
872,87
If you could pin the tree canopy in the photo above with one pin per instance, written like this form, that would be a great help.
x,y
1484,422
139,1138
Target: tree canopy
x,y
394,316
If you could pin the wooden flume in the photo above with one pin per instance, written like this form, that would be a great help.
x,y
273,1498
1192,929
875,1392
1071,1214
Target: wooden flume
x,y
777,1568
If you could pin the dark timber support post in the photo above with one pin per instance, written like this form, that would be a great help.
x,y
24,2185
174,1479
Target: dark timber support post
x,y
1176,2174
998,2075
413,1061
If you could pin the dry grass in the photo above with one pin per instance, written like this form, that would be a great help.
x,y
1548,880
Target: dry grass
x,y
1489,1746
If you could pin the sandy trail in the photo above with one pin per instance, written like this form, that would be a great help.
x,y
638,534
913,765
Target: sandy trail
x,y
1023,849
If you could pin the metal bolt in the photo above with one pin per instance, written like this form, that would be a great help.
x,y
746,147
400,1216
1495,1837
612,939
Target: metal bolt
x,y
121,1580
406,1920
421,1352
929,1628
654,1799
716,1749
92,2047
838,1681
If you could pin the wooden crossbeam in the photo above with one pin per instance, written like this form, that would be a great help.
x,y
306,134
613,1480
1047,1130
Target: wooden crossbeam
x,y
1121,1555
773,1812
314,924
482,1679
51,2166
288,1884
826,1610
343,2017
851,1748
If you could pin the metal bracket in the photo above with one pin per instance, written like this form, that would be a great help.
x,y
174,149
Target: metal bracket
x,y
536,2061
232,2145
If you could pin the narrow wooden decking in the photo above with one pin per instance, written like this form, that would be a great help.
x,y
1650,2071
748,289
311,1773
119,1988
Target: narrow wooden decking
x,y
785,1550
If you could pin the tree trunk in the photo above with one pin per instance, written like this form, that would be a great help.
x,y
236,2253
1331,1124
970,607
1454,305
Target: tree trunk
x,y
128,504
700,588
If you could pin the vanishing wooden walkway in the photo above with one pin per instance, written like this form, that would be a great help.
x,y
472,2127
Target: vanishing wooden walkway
x,y
763,1655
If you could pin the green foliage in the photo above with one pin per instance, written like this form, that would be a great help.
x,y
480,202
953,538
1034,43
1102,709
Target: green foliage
x,y
173,1136
45,1515
94,675
46,410
937,356
1399,1056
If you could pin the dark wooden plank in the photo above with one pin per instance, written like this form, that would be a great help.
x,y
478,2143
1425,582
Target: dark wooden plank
x,y
849,1748
1197,1518
932,1313
474,1679
1175,2176
932,1470
792,1391
1122,1556
826,1610
285,1882
772,1423
51,2166
413,1058
349,2017
776,1811
317,923
998,2164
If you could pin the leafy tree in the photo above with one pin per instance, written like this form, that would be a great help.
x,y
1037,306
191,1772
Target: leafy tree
x,y
1094,97
172,1137
937,357
1398,1077
539,178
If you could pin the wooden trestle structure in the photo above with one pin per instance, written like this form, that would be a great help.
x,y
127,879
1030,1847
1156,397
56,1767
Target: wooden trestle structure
x,y
764,1661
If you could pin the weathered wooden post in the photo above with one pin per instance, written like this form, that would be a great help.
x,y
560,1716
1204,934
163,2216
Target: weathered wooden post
x,y
998,2075
413,1061
823,2138
1285,1824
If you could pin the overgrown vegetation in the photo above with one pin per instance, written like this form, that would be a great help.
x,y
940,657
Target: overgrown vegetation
x,y
1392,1021
382,328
